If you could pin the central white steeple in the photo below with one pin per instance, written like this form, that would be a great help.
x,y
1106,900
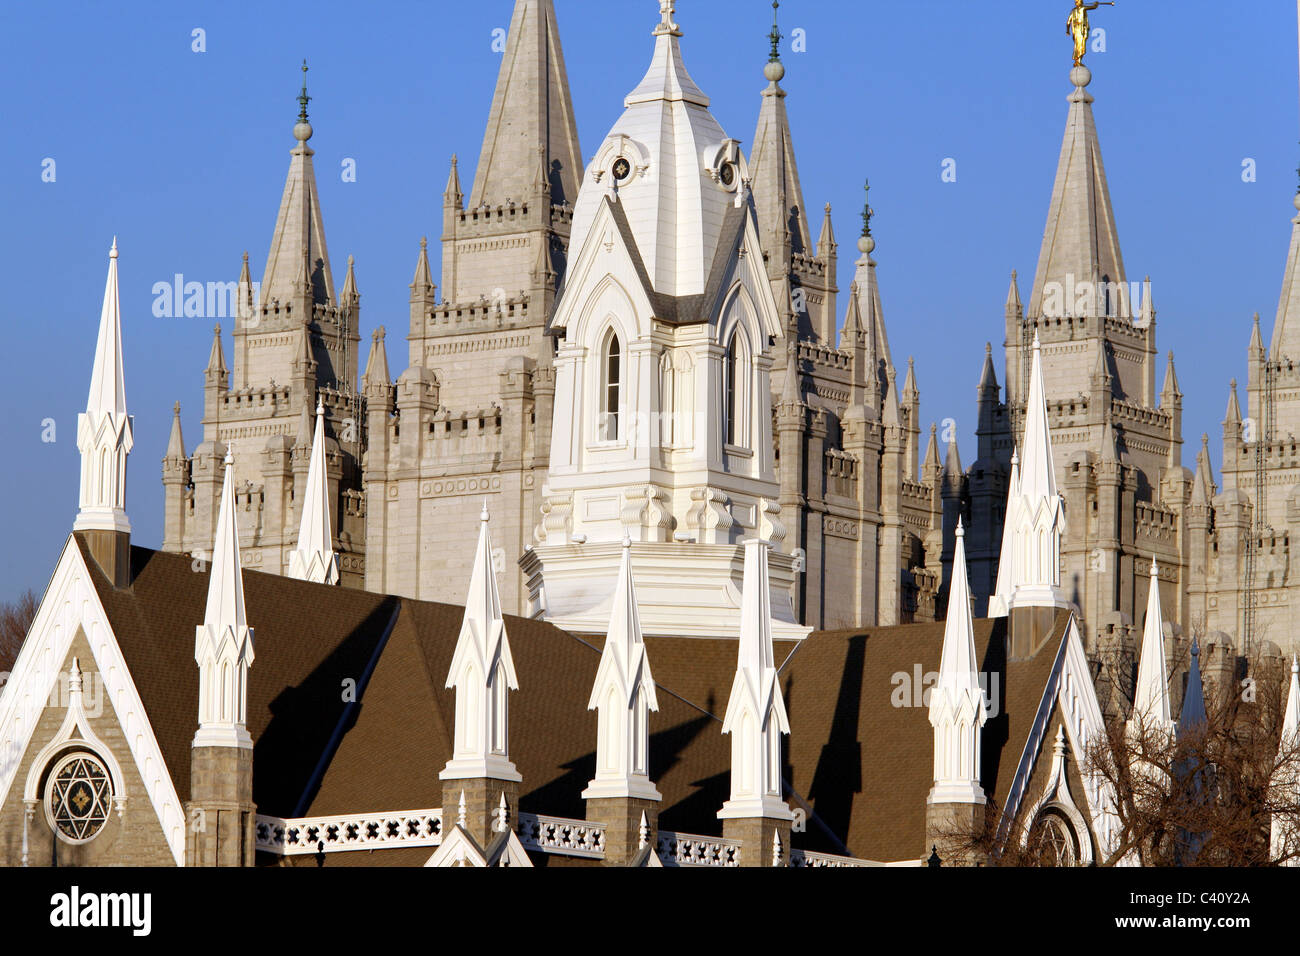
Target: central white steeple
x,y
663,421
1035,512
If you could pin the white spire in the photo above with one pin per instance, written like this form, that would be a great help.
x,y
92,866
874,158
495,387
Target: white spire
x,y
1038,511
624,694
1151,705
223,643
105,432
314,558
107,383
667,78
483,673
957,711
1291,719
1037,472
756,716
1000,600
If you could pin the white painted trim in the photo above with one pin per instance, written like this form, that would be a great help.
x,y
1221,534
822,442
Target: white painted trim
x,y
68,605
1056,796
1069,685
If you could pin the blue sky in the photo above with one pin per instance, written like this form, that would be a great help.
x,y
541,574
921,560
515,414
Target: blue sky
x,y
183,155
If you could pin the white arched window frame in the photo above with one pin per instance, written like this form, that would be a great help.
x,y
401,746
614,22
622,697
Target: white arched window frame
x,y
500,714
737,387
612,379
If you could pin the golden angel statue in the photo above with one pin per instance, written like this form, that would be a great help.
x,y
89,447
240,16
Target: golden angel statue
x,y
1076,25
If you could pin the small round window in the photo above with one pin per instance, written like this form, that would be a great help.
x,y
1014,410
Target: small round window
x,y
727,174
622,169
78,796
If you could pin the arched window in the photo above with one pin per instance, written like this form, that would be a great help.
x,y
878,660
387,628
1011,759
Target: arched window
x,y
638,731
1052,841
611,388
467,712
499,716
735,391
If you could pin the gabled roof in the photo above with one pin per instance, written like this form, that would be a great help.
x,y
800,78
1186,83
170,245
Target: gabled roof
x,y
856,763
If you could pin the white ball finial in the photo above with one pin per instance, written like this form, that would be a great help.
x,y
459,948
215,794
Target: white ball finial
x,y
1081,76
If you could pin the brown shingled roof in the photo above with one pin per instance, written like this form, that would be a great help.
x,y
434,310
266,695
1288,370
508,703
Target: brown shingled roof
x,y
857,764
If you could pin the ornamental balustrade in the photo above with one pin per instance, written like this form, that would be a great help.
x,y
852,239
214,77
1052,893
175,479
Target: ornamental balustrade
x,y
561,836
359,831
689,849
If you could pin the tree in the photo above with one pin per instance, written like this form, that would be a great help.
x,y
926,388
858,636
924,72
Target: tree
x,y
15,619
1205,795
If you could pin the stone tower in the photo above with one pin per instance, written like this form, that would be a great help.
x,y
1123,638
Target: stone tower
x,y
295,345
1243,584
1117,441
1242,581
856,511
472,414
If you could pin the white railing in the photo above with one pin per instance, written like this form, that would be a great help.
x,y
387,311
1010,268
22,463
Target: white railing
x,y
357,831
689,849
558,835
806,858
